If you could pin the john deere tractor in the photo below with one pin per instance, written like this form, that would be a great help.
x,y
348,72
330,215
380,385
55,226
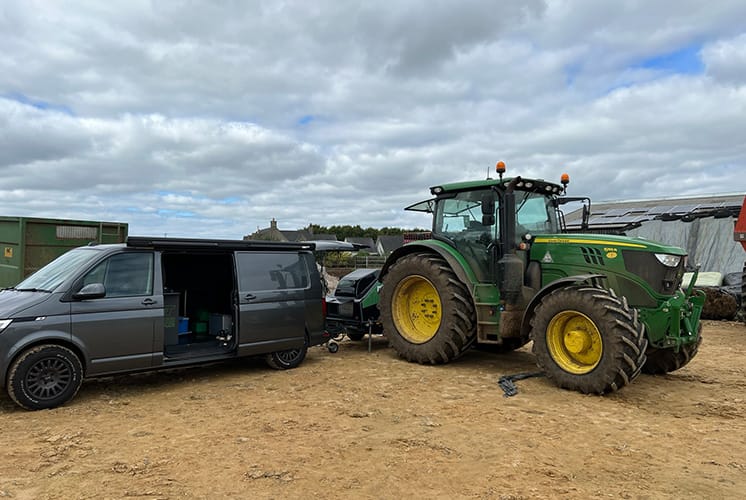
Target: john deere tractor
x,y
499,271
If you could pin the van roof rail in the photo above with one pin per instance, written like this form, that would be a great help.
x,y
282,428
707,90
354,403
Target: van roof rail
x,y
203,243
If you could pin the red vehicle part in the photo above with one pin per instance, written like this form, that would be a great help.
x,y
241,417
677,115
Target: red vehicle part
x,y
740,232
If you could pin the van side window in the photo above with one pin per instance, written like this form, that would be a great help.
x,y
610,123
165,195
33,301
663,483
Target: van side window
x,y
124,274
271,271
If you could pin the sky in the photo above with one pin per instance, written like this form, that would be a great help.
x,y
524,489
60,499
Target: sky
x,y
208,119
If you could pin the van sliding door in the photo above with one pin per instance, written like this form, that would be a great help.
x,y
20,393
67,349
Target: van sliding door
x,y
271,301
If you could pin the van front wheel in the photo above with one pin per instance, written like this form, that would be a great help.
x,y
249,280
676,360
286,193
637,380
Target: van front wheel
x,y
285,360
45,376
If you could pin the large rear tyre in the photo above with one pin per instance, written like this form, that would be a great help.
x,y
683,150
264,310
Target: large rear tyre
x,y
662,361
426,311
45,376
587,339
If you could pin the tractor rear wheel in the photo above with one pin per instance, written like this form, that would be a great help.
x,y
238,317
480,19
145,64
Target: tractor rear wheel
x,y
587,339
662,361
426,311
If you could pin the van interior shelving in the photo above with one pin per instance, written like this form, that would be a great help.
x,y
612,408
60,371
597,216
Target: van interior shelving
x,y
199,292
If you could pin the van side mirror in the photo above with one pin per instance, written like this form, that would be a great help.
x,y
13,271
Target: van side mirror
x,y
488,210
91,291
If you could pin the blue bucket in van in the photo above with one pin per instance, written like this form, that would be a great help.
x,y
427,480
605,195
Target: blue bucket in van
x,y
183,325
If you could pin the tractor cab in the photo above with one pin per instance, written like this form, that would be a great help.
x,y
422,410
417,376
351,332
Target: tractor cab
x,y
484,220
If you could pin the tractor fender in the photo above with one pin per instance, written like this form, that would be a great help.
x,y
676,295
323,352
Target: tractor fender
x,y
433,246
554,285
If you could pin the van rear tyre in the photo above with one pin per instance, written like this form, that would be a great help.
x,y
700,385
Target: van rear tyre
x,y
285,360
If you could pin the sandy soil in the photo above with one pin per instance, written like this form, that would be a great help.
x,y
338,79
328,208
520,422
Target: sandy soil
x,y
359,424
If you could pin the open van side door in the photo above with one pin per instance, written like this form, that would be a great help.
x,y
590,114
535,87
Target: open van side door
x,y
271,293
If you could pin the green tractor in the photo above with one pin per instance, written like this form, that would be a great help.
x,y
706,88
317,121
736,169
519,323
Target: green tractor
x,y
500,270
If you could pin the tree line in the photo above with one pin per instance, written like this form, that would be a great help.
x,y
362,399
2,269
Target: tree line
x,y
347,231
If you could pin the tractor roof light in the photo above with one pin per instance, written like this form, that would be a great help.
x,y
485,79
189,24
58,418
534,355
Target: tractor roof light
x,y
500,169
565,180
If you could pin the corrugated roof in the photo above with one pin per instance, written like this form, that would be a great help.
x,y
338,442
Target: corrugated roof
x,y
625,213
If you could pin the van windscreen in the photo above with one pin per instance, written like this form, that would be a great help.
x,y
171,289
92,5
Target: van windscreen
x,y
60,269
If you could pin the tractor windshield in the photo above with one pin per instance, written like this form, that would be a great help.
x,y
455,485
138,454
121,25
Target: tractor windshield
x,y
535,213
459,219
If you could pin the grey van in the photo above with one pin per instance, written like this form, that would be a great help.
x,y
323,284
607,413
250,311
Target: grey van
x,y
152,304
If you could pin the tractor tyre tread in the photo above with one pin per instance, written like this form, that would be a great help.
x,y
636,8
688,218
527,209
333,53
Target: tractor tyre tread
x,y
623,337
662,361
457,330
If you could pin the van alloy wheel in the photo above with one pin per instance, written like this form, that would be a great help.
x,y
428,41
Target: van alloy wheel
x,y
44,376
290,358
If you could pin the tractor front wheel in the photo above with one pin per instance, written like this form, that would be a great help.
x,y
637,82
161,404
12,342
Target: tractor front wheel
x,y
426,311
587,339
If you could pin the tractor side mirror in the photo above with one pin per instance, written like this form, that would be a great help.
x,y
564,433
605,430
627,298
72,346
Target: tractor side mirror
x,y
488,210
586,217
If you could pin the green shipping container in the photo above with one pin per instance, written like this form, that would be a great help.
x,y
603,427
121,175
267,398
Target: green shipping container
x,y
28,244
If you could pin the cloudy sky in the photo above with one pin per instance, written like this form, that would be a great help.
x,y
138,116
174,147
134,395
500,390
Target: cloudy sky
x,y
207,119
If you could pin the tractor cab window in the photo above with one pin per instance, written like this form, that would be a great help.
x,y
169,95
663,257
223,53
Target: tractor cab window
x,y
459,219
535,214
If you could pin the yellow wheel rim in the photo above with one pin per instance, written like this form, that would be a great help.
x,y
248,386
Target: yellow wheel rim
x,y
574,342
416,309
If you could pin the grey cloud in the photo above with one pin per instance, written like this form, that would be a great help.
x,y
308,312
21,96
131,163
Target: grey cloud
x,y
209,119
725,60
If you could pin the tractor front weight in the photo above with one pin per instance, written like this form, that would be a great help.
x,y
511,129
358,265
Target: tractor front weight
x,y
672,323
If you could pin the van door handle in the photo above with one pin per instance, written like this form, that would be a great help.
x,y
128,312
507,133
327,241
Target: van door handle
x,y
249,296
148,302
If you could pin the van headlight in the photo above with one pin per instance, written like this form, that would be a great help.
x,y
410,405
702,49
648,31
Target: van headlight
x,y
668,260
5,323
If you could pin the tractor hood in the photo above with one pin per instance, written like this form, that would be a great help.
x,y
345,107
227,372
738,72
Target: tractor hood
x,y
610,243
640,269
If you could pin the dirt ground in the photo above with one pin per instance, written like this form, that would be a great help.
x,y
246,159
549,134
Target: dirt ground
x,y
359,424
